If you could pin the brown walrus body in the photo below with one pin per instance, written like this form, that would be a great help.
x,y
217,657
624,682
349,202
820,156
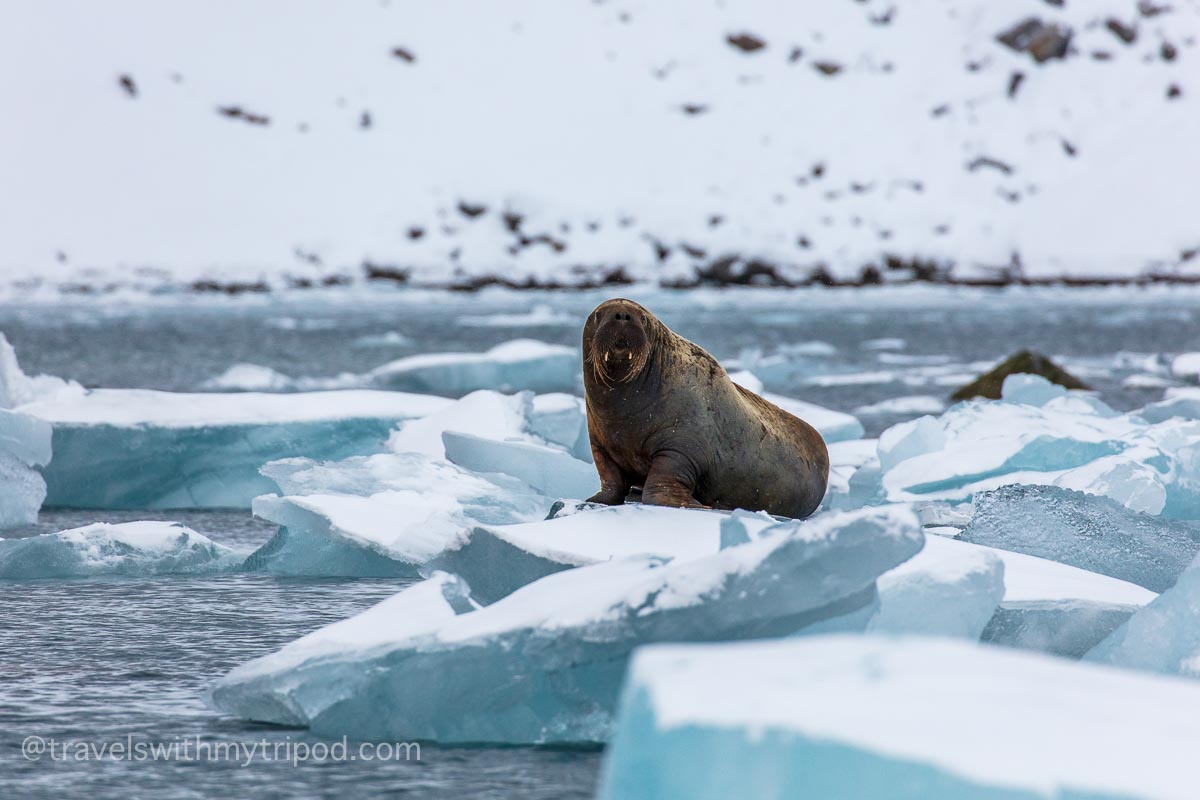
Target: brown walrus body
x,y
664,415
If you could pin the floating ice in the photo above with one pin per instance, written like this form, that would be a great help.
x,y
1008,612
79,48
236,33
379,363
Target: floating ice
x,y
130,548
249,378
389,339
548,470
132,448
866,717
483,413
853,475
519,364
1186,365
1089,532
834,426
561,419
539,316
948,589
1164,636
24,441
1033,390
496,560
911,404
545,663
1056,608
1074,441
381,515
1179,401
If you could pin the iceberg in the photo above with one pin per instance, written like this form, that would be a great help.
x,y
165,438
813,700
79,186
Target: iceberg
x,y
384,515
918,718
126,549
544,664
1182,402
519,364
1162,637
25,441
1093,533
133,448
834,426
948,589
249,378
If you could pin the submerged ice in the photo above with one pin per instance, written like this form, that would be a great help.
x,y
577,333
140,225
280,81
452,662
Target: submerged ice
x,y
544,664
125,549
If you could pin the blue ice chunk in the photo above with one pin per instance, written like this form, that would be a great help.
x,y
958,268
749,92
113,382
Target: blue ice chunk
x,y
127,448
548,470
852,717
499,559
126,549
519,364
560,419
1086,531
24,446
381,515
950,588
1164,636
545,663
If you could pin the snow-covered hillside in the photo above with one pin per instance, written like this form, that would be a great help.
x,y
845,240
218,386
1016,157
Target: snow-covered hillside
x,y
200,145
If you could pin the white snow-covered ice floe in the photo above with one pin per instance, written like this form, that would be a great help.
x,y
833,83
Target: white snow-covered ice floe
x,y
134,448
905,718
486,459
25,442
519,364
545,663
125,549
1042,434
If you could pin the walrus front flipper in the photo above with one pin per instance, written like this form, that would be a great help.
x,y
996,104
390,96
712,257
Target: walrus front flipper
x,y
613,483
670,482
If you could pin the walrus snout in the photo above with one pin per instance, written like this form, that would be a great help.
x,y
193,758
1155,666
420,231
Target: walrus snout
x,y
617,337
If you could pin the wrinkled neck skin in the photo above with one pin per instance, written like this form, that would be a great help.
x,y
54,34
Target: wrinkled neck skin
x,y
623,399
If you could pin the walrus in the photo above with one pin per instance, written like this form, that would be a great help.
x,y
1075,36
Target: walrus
x,y
663,415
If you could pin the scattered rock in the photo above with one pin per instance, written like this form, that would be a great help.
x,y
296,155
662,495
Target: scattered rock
x,y
829,68
380,272
1149,9
986,161
404,55
237,112
1041,40
796,54
1173,91
692,109
1168,51
416,232
471,210
746,42
128,85
1024,362
1124,32
1014,83
1069,148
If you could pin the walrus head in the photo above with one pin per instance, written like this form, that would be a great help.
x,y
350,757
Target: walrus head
x,y
617,340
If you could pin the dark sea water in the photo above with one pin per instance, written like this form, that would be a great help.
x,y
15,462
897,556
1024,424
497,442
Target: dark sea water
x,y
103,661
